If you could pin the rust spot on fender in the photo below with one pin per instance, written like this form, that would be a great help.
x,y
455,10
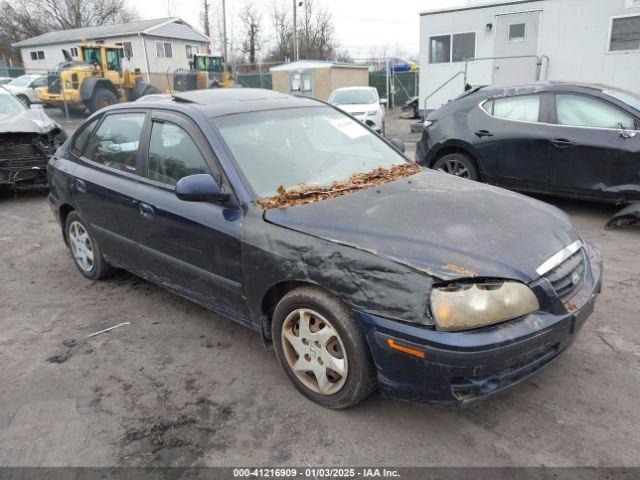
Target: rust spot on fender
x,y
460,270
570,306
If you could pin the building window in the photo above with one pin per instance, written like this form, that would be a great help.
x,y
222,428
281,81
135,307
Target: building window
x,y
127,49
74,52
625,34
458,47
517,32
163,50
37,55
189,51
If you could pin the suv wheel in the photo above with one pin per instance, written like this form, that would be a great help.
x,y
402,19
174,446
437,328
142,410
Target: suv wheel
x,y
85,250
458,164
322,349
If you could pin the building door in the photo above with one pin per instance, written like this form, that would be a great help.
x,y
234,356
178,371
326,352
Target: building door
x,y
516,34
301,84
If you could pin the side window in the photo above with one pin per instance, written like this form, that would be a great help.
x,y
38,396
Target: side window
x,y
39,82
115,142
525,108
581,111
81,137
173,154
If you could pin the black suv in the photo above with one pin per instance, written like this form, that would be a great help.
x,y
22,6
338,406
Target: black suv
x,y
566,139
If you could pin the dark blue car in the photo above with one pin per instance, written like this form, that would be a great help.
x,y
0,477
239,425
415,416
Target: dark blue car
x,y
292,218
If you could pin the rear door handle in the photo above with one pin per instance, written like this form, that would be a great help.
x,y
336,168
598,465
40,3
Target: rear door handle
x,y
146,211
81,186
484,133
562,143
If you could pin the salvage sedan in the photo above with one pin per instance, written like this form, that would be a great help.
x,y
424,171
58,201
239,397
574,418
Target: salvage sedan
x,y
290,217
573,140
28,137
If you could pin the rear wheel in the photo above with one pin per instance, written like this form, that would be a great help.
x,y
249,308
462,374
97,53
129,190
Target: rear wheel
x,y
322,348
85,250
25,100
101,98
458,164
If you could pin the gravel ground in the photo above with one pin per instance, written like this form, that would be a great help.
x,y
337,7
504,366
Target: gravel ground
x,y
183,386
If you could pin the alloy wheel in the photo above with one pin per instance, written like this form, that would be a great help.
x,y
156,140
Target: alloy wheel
x,y
314,351
81,246
455,167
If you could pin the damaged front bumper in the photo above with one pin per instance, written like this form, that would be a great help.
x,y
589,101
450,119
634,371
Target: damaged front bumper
x,y
459,368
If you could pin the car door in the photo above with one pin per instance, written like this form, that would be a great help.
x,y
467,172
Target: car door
x,y
193,247
106,180
37,83
512,140
594,149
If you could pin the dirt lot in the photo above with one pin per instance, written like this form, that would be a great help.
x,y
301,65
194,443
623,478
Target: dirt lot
x,y
183,386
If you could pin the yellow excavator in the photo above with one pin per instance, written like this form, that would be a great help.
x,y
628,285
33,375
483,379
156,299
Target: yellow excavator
x,y
93,81
205,71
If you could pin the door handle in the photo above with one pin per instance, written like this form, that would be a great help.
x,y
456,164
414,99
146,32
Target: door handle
x,y
146,211
562,143
484,133
81,186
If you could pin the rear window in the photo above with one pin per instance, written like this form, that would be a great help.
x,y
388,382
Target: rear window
x,y
524,108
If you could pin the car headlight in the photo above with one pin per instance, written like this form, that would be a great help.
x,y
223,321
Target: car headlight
x,y
372,112
464,306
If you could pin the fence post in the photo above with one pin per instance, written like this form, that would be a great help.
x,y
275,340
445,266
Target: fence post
x,y
64,100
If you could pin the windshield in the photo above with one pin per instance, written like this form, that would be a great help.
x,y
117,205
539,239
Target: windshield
x,y
314,146
352,97
209,64
22,81
9,105
627,97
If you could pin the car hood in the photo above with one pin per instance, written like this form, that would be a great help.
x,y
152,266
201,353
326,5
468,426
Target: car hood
x,y
445,226
358,107
29,121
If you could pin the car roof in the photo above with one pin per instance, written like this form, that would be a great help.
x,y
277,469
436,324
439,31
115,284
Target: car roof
x,y
354,88
226,101
539,87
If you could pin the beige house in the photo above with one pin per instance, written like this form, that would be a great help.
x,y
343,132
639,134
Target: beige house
x,y
317,79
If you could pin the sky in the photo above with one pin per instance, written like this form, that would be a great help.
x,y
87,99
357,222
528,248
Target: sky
x,y
362,26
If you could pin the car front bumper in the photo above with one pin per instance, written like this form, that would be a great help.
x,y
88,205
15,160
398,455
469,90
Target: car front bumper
x,y
460,368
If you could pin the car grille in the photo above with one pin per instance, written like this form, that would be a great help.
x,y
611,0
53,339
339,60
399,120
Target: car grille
x,y
567,276
15,152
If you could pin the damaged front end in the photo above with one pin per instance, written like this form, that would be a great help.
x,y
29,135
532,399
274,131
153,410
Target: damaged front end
x,y
24,157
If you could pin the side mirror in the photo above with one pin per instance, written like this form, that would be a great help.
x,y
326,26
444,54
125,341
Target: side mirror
x,y
399,144
200,188
384,101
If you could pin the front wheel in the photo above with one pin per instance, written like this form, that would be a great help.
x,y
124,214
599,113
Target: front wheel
x,y
322,349
457,164
25,100
85,250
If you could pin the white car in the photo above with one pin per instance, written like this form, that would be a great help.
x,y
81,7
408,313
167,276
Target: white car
x,y
24,87
363,103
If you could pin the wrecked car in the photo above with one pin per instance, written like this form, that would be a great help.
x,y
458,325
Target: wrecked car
x,y
28,138
573,140
361,268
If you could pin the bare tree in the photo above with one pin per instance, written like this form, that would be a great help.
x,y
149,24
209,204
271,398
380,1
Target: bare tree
x,y
20,19
316,34
252,25
204,16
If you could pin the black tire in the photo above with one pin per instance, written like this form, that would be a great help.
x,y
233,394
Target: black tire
x,y
100,268
101,98
360,379
467,167
25,100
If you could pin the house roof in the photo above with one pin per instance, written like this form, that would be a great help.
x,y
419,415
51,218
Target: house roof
x,y
475,5
312,64
171,27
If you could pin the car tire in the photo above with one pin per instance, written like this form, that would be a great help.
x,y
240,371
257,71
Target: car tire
x,y
85,251
101,98
25,100
335,339
458,164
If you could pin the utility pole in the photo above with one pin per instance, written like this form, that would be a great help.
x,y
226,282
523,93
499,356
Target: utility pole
x,y
205,20
224,33
296,57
